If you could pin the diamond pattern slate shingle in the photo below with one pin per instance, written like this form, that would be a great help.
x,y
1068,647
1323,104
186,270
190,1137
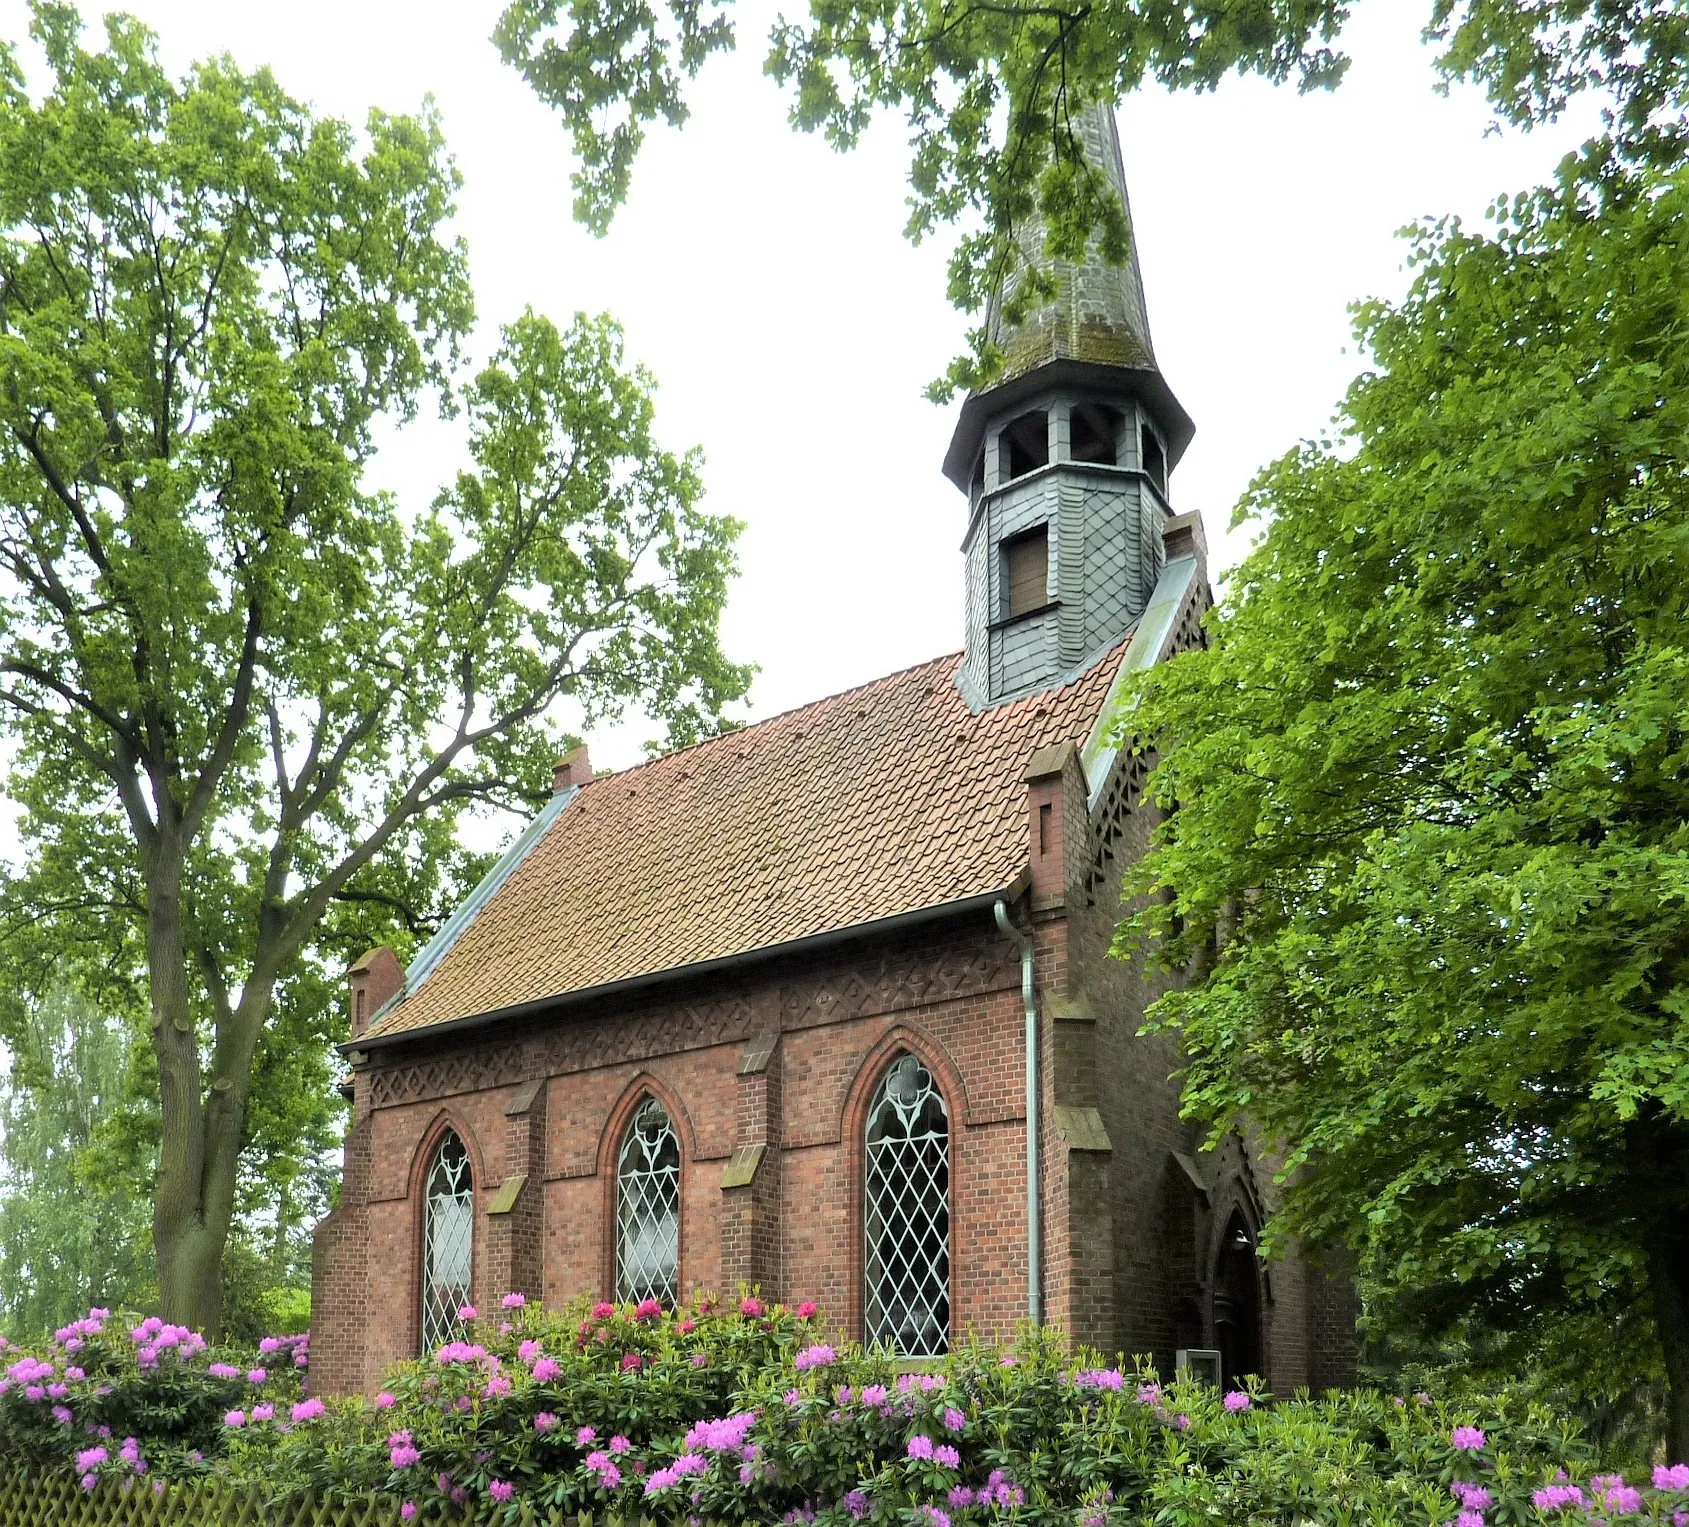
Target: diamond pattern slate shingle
x,y
883,800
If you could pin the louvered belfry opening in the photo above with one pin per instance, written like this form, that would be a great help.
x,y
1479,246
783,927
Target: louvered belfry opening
x,y
648,1207
906,1204
448,1242
1026,569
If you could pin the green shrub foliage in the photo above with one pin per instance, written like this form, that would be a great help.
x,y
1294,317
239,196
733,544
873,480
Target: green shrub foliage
x,y
745,1412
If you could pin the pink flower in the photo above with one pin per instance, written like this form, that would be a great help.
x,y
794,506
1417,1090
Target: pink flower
x,y
699,1360
954,1420
750,1308
263,1412
466,1312
585,1435
403,1454
545,1370
1469,1519
619,1444
919,1446
501,1490
817,1356
514,1301
308,1410
603,1311
1467,1439
385,1401
648,1309
1238,1400
546,1422
407,1511
631,1361
235,1418
256,1375
947,1455
1674,1478
806,1310
687,1326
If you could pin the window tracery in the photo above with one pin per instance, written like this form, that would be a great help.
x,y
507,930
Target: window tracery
x,y
448,1241
906,1203
648,1207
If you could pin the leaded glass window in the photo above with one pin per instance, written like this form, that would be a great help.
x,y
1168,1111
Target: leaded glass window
x,y
448,1242
648,1207
906,1204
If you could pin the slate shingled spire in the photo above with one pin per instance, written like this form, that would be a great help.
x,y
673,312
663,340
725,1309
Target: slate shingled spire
x,y
1098,312
1065,460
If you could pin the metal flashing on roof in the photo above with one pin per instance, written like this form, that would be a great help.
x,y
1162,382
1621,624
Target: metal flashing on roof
x,y
454,926
1149,647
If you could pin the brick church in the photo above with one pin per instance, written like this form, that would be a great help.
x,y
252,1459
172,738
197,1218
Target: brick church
x,y
810,1005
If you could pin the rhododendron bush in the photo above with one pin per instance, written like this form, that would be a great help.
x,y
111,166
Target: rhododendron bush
x,y
742,1412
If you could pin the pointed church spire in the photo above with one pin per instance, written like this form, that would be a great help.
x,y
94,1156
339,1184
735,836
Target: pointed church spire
x,y
1098,312
1065,459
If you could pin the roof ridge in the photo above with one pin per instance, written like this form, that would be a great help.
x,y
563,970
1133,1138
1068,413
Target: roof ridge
x,y
795,710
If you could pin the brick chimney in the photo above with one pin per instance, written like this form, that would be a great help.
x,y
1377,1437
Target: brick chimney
x,y
1055,802
573,768
372,980
1183,536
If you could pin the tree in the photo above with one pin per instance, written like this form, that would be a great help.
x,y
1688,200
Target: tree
x,y
72,1231
990,92
1432,787
247,691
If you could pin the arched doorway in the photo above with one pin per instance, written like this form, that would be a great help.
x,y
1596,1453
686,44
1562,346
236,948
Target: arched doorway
x,y
1237,1303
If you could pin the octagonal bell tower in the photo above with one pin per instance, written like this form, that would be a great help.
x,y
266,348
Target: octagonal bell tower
x,y
1065,461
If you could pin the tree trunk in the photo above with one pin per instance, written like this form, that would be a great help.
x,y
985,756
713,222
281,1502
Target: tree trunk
x,y
1668,1280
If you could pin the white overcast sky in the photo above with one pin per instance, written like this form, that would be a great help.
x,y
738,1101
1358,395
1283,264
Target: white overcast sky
x,y
765,281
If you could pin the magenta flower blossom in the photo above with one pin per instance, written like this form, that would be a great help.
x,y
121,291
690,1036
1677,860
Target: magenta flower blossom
x,y
1472,1497
1238,1400
223,1371
263,1412
817,1356
726,1435
529,1350
932,1516
1467,1439
585,1435
403,1454
501,1490
856,1503
256,1375
1621,1498
648,1309
699,1360
467,1312
750,1308
632,1362
919,1446
546,1422
954,1420
947,1455
407,1511
235,1418
545,1370
619,1444
1554,1497
308,1410
1469,1519
1674,1478
385,1401
806,1310
687,1326
603,1311
514,1301
62,1415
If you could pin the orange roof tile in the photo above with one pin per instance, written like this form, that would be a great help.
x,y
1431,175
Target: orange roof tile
x,y
884,800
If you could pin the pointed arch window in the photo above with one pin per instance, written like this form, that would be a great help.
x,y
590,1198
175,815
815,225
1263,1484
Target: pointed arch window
x,y
448,1241
906,1204
648,1207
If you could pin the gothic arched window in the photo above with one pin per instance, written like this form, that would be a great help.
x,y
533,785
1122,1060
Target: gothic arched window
x,y
648,1207
448,1241
906,1210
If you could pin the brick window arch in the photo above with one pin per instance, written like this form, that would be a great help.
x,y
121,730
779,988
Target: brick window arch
x,y
906,1213
648,1207
448,1240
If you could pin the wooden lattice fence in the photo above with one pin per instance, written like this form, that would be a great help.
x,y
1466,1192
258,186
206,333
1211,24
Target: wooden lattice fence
x,y
56,1501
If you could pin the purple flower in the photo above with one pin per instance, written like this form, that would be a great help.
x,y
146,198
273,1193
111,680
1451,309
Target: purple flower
x,y
90,1458
223,1371
856,1503
308,1410
648,1309
62,1415
1100,1378
1472,1497
545,1370
619,1444
954,1420
545,1422
501,1490
699,1360
947,1455
1674,1478
932,1516
263,1412
1620,1498
514,1301
1467,1439
407,1511
960,1498
466,1312
817,1356
1469,1519
585,1435
920,1446
256,1375
1238,1400
235,1418
384,1401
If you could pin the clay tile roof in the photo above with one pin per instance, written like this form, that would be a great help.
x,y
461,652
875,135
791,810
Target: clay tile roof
x,y
884,800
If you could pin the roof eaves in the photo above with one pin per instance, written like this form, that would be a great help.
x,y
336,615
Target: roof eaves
x,y
807,944
458,923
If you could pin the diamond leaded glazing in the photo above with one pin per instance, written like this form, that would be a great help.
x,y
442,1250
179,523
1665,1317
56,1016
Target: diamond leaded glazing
x,y
907,1213
448,1243
648,1207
